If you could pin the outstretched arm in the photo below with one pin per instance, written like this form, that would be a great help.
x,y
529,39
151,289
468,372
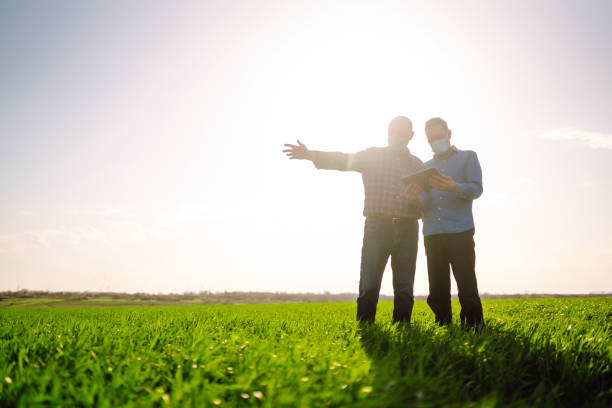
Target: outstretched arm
x,y
321,160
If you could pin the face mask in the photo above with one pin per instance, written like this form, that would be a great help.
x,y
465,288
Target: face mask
x,y
440,146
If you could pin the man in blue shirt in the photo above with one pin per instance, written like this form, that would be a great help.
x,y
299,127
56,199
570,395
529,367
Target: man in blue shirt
x,y
448,225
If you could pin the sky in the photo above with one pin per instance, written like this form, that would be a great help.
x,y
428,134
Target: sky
x,y
141,142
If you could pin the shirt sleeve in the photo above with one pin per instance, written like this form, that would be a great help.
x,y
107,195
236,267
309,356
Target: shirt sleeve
x,y
359,161
471,189
330,160
420,203
341,161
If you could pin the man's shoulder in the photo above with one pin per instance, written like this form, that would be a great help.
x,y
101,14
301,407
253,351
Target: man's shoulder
x,y
384,152
371,152
464,155
468,154
374,149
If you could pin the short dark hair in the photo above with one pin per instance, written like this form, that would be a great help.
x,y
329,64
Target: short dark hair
x,y
435,122
401,124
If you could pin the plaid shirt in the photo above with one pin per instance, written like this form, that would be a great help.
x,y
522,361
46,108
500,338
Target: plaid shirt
x,y
381,169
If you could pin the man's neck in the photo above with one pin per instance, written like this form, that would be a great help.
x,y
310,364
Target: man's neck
x,y
403,150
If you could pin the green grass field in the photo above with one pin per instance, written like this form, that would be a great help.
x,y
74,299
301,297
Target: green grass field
x,y
533,352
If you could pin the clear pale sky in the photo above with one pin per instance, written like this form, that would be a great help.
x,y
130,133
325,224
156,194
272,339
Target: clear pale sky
x,y
141,141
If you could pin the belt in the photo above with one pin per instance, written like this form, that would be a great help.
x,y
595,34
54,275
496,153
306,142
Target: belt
x,y
395,220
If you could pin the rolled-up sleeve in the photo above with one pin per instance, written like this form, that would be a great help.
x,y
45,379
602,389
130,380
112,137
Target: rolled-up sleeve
x,y
471,189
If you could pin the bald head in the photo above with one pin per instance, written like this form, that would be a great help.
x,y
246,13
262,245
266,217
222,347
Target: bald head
x,y
400,132
400,125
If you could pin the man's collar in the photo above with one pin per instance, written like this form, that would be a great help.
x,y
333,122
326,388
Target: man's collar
x,y
446,154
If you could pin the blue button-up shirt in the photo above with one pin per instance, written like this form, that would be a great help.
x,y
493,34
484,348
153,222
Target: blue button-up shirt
x,y
451,211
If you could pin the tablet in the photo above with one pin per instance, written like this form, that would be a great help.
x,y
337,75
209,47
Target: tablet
x,y
421,178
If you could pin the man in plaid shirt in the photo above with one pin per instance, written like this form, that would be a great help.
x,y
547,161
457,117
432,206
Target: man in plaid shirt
x,y
391,227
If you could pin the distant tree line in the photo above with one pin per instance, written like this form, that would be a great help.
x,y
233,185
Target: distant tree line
x,y
208,297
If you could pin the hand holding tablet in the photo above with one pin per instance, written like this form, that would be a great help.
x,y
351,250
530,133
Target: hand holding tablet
x,y
421,178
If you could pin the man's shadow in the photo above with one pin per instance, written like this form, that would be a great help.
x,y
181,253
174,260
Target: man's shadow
x,y
426,365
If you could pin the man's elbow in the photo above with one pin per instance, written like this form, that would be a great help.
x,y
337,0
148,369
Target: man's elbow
x,y
469,190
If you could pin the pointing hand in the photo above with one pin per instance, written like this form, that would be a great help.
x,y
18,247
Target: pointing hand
x,y
299,151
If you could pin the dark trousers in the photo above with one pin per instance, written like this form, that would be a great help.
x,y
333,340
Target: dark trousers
x,y
383,238
456,250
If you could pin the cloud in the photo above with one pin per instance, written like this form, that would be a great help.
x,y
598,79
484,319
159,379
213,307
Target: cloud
x,y
594,140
